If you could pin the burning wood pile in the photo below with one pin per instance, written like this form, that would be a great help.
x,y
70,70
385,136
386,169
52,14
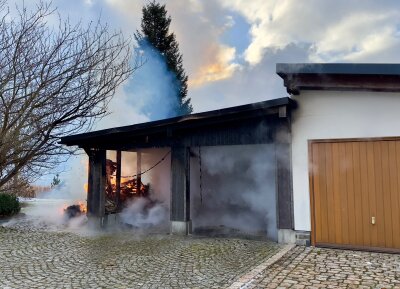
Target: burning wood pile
x,y
120,191
118,194
75,210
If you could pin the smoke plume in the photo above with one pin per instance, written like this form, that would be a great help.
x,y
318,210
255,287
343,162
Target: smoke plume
x,y
238,189
153,212
150,94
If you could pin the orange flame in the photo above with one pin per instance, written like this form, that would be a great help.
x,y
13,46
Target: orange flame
x,y
82,206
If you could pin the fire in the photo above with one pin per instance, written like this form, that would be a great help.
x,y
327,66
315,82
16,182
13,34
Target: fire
x,y
130,187
75,209
82,206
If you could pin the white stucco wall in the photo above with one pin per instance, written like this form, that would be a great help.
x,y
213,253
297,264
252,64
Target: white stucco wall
x,y
333,114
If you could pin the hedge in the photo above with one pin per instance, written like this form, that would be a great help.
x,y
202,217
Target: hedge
x,y
9,205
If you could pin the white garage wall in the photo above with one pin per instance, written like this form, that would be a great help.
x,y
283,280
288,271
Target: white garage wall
x,y
331,115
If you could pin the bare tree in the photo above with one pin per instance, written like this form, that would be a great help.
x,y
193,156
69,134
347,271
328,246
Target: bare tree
x,y
54,80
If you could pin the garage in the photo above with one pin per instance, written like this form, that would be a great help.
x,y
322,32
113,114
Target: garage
x,y
345,153
355,199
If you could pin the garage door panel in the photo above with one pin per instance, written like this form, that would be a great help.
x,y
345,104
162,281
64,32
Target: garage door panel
x,y
336,193
354,182
323,193
357,193
315,181
386,195
371,193
330,194
378,194
364,195
394,202
348,163
396,199
343,194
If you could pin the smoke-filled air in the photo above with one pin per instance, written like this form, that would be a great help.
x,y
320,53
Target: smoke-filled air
x,y
233,192
150,94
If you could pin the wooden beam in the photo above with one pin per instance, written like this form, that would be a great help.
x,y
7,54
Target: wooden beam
x,y
138,171
96,183
118,180
180,184
282,111
284,176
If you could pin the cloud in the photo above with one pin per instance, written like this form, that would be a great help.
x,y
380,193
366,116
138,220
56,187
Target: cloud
x,y
205,57
89,2
129,13
225,72
220,66
250,83
358,36
338,31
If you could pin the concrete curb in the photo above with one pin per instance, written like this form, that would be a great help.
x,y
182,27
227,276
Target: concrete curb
x,y
245,280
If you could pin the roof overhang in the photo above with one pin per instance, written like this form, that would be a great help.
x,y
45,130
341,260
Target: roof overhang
x,y
339,76
169,128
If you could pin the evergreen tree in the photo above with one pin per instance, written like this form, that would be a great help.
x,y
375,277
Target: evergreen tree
x,y
56,181
155,31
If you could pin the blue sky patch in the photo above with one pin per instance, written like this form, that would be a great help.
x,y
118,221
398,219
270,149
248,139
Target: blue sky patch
x,y
238,35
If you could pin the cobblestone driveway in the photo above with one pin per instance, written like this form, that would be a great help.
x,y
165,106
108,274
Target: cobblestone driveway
x,y
39,259
328,268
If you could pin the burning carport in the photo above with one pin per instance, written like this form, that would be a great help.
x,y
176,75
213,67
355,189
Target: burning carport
x,y
260,123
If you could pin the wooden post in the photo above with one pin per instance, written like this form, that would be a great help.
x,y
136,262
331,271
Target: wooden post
x,y
118,181
180,190
138,171
284,175
96,183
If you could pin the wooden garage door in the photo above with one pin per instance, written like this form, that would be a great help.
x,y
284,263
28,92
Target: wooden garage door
x,y
355,195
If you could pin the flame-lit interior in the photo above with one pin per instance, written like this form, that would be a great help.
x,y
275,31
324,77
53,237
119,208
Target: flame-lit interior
x,y
117,197
118,194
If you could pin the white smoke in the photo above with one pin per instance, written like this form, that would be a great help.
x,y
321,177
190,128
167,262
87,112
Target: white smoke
x,y
143,213
150,94
72,186
46,214
151,213
238,189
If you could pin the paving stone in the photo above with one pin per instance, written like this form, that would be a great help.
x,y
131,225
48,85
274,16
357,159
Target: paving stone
x,y
32,258
331,268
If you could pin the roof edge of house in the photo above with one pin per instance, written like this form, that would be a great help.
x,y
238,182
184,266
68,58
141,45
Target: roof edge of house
x,y
383,77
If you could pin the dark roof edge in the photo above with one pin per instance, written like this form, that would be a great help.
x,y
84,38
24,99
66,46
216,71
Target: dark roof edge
x,y
339,77
284,101
338,68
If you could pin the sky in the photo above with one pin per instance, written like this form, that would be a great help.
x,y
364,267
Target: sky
x,y
230,47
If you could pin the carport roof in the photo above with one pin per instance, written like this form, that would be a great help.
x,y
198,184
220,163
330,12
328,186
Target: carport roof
x,y
339,76
165,127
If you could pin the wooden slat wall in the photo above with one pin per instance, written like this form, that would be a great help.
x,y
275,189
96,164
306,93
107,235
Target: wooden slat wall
x,y
352,181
